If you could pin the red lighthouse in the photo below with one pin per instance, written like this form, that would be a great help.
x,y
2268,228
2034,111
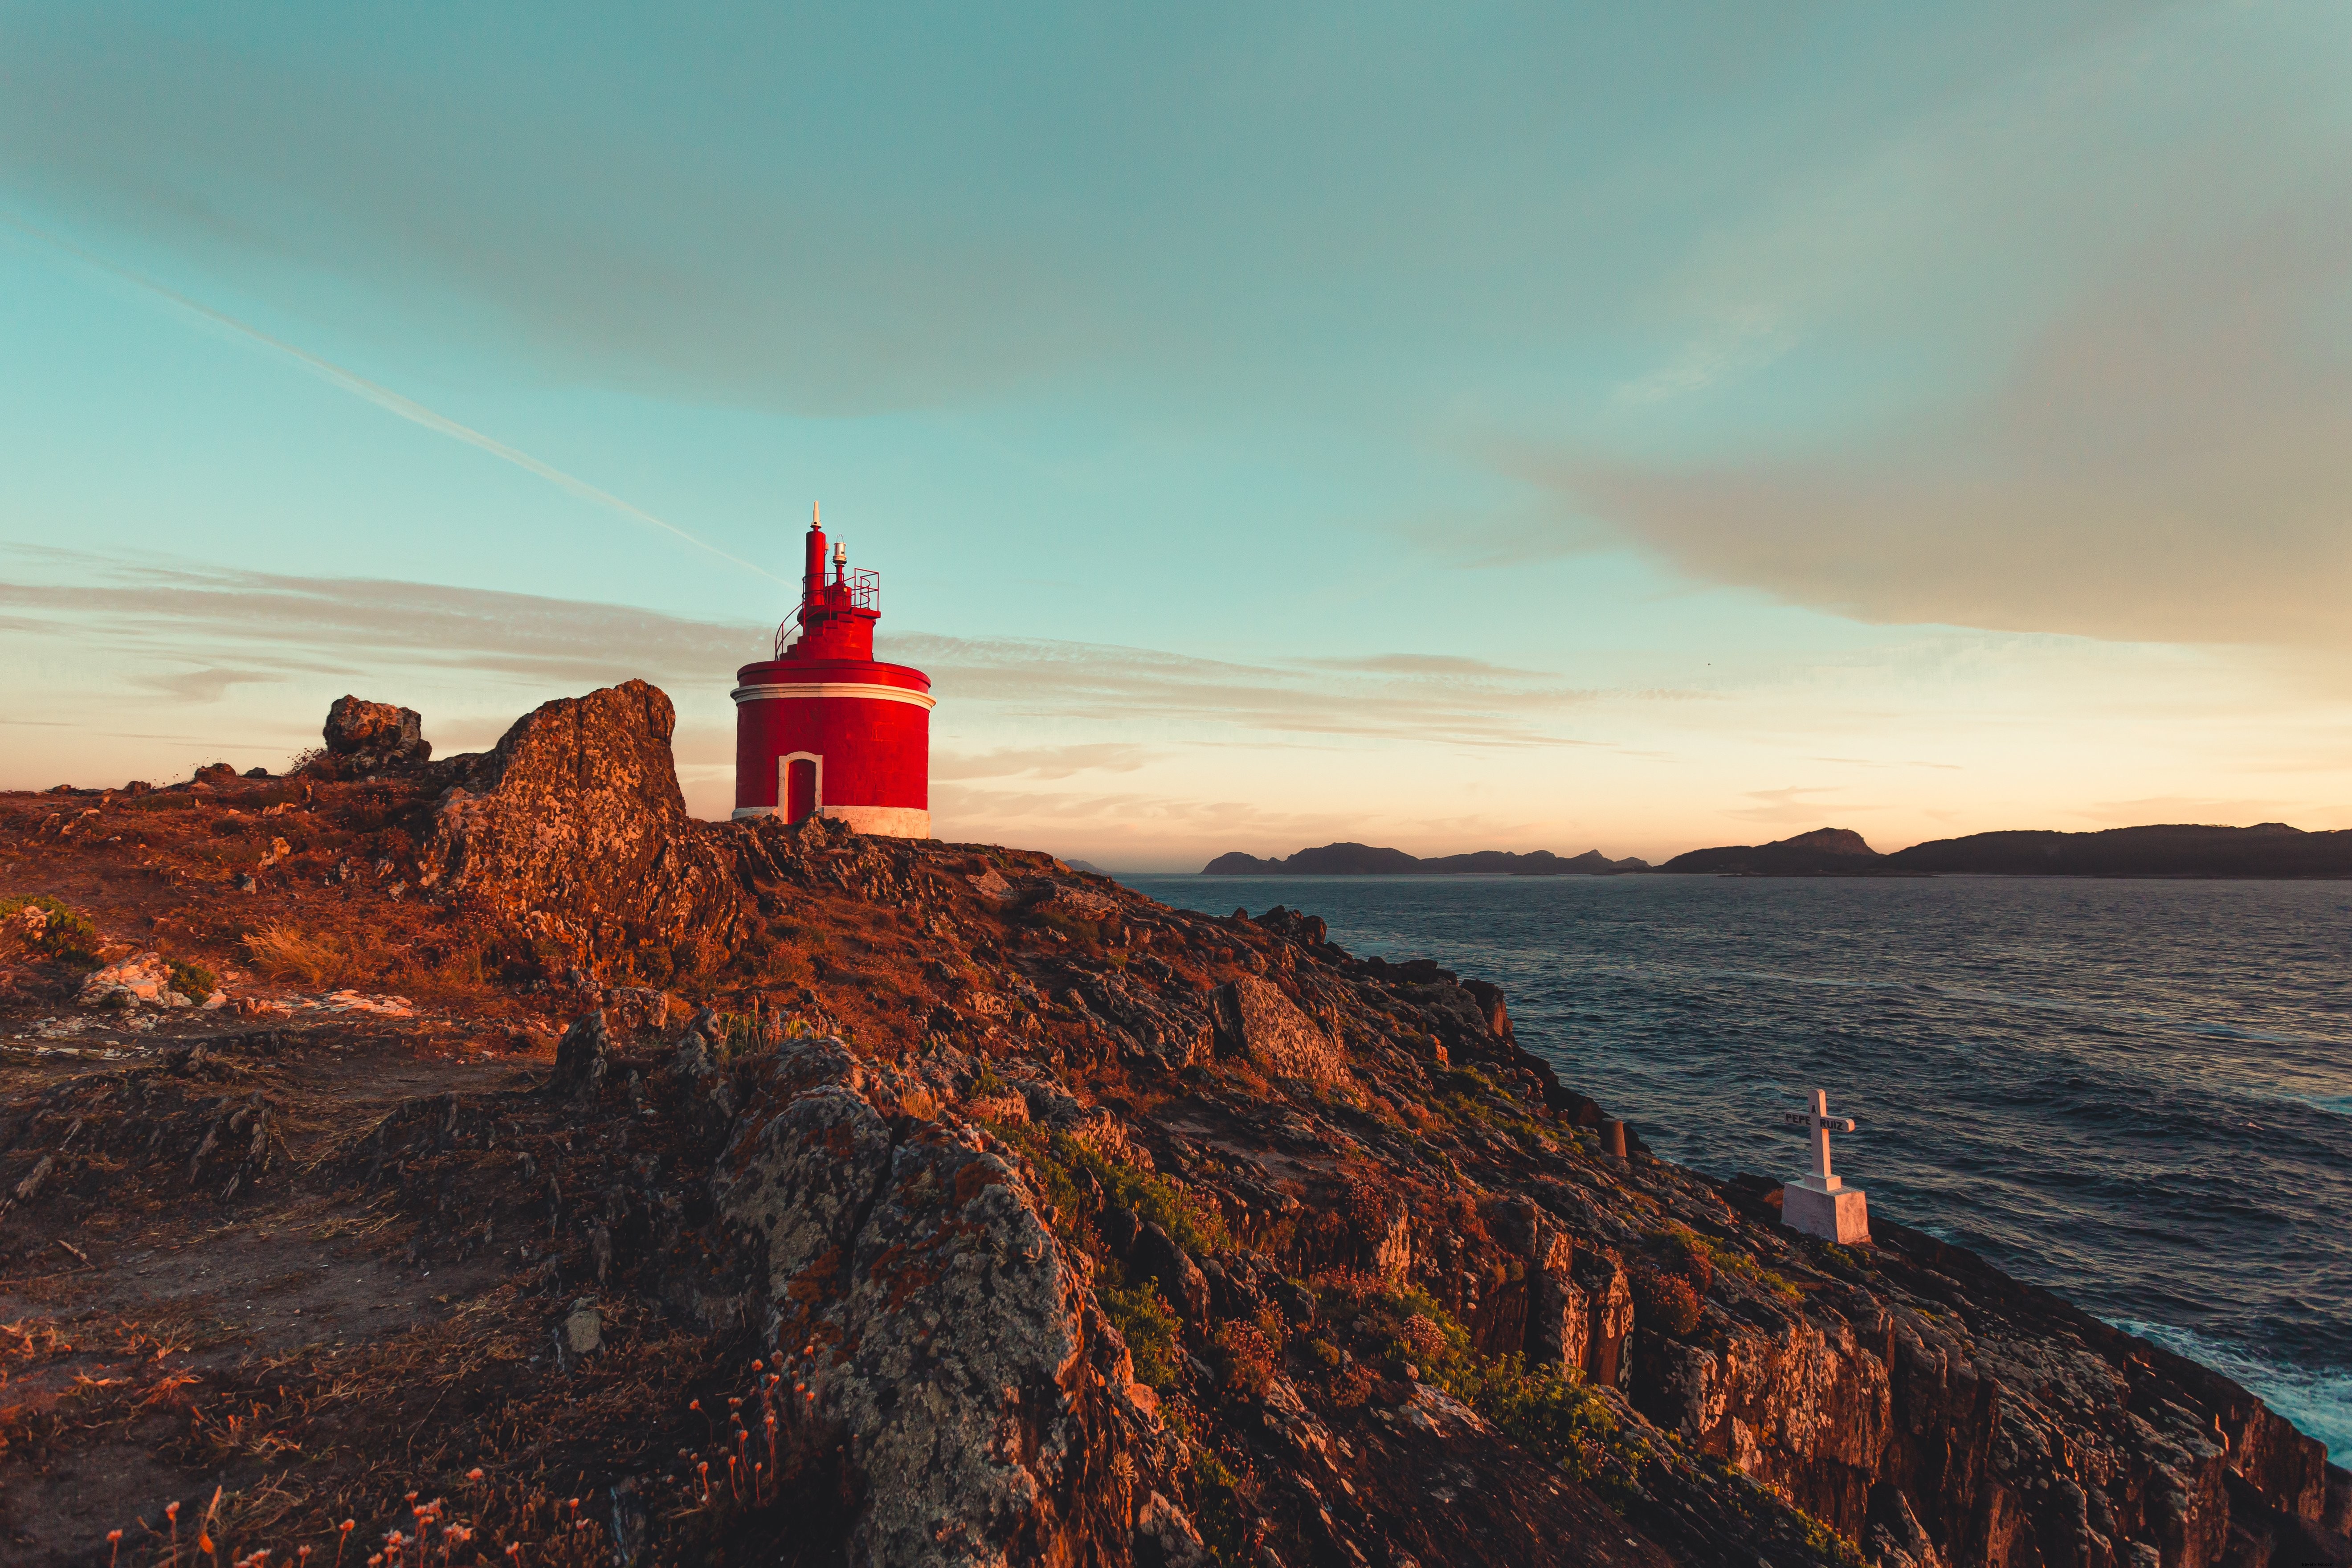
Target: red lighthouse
x,y
821,729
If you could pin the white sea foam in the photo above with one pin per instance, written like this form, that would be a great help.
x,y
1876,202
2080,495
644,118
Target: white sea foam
x,y
2318,1403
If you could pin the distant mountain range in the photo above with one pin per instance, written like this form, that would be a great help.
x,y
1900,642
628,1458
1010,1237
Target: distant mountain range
x,y
1367,860
2268,849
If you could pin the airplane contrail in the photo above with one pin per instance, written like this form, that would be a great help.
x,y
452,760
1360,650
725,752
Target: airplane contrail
x,y
384,397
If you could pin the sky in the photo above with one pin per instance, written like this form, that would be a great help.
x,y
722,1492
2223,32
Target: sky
x,y
1477,427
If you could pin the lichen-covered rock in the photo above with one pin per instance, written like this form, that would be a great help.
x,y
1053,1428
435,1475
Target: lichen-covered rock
x,y
710,1091
1170,1030
375,734
1275,1034
798,1179
949,1348
573,827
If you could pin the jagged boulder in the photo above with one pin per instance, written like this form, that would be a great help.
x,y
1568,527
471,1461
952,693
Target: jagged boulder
x,y
711,1090
582,1057
365,735
1275,1034
143,977
1171,1028
1157,1257
574,825
943,1343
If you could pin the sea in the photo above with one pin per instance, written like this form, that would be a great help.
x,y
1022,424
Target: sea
x,y
2137,1093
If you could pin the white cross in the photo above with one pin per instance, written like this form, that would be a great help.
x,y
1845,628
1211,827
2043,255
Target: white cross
x,y
1822,1124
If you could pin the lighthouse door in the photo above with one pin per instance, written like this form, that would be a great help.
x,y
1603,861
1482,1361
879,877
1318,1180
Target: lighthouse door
x,y
801,793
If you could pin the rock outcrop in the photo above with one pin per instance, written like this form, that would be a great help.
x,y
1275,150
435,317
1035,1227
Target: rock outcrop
x,y
363,737
573,827
1275,1034
942,1340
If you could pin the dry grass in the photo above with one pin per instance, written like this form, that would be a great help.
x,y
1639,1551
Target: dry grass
x,y
285,952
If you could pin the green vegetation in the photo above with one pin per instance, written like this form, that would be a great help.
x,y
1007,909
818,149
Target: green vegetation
x,y
1466,1094
1218,1511
1144,1321
1080,1182
193,980
1061,1160
1547,1410
52,930
1083,933
1725,1260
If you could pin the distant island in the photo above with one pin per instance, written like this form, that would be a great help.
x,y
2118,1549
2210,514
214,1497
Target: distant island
x,y
2269,849
1368,860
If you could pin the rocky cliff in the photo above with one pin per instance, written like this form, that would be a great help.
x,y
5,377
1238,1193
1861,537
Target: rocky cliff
x,y
892,1202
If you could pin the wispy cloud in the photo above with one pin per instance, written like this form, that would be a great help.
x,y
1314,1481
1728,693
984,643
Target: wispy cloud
x,y
1039,762
207,684
1808,804
2187,809
1751,341
384,397
155,619
165,613
1461,702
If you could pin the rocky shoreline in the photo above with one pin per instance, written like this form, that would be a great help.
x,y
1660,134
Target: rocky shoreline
x,y
747,1192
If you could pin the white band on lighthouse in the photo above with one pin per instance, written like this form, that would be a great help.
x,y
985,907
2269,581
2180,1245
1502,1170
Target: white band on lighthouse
x,y
883,821
834,689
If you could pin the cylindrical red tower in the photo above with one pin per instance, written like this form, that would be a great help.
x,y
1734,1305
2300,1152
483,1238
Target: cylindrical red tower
x,y
821,729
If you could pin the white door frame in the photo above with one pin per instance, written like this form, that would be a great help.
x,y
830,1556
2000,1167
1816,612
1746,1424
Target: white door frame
x,y
784,783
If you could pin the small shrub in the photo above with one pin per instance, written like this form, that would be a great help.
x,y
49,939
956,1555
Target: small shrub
x,y
1551,1411
1222,1521
1349,1288
1739,1265
1688,1254
1422,1338
1247,1362
1147,1325
1081,932
193,980
283,952
1665,1301
50,928
1352,1386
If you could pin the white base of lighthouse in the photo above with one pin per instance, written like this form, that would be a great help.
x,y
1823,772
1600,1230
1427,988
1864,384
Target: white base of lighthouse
x,y
879,821
1830,1210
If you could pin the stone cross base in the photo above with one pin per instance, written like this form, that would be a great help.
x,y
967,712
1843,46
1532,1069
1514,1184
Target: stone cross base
x,y
1836,1213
